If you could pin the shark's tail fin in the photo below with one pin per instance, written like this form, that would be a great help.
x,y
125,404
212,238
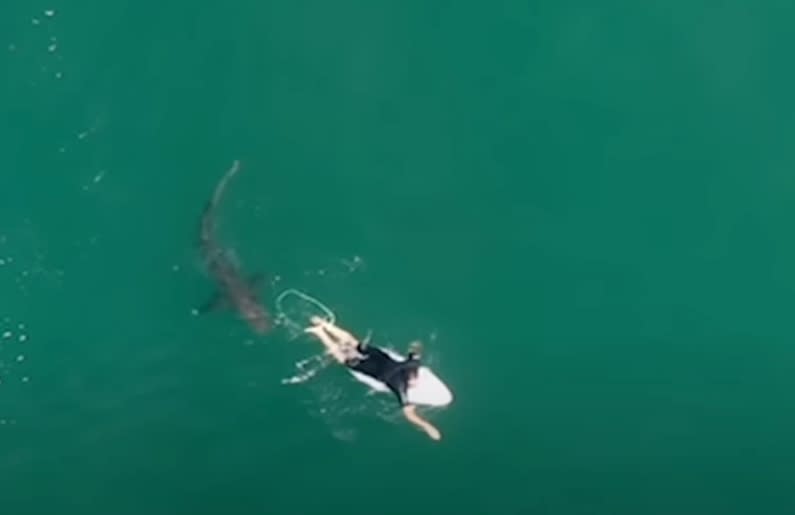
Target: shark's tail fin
x,y
208,220
219,189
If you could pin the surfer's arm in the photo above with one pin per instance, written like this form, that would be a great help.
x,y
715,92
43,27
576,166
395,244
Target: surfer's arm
x,y
410,411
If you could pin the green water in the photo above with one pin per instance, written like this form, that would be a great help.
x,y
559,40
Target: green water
x,y
584,211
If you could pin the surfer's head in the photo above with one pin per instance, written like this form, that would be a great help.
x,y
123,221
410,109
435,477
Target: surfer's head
x,y
415,349
413,378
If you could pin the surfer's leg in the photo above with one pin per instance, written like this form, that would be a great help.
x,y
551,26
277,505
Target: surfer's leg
x,y
343,340
342,336
331,346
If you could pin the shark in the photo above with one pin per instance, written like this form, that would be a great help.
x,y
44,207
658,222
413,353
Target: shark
x,y
235,291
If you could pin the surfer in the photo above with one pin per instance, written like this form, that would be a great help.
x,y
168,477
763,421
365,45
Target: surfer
x,y
367,359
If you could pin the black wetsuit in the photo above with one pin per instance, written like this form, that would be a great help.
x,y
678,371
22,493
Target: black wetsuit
x,y
380,366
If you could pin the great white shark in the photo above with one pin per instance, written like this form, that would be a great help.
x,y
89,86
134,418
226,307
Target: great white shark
x,y
234,290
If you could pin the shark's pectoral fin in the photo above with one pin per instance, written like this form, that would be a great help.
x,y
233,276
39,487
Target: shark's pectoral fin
x,y
256,281
217,302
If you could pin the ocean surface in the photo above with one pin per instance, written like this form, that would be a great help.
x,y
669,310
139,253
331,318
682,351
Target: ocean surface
x,y
584,210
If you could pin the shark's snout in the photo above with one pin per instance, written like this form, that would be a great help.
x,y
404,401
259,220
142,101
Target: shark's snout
x,y
261,326
259,320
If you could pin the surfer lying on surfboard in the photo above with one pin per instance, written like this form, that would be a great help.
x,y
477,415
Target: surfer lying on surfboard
x,y
367,359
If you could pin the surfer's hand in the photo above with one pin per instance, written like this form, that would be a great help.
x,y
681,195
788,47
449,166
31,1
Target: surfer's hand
x,y
433,433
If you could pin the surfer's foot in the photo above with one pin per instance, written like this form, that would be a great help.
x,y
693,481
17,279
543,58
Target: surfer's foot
x,y
317,331
316,320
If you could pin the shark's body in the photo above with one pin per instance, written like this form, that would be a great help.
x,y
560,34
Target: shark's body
x,y
234,290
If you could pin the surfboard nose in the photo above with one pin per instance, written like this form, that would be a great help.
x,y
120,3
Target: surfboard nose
x,y
430,390
446,398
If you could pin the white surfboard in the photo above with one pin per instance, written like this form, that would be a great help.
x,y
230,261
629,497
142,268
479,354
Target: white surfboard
x,y
428,390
